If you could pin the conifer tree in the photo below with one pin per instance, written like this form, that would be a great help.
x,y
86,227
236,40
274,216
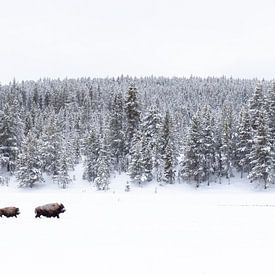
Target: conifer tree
x,y
152,129
92,148
150,143
117,133
168,167
132,110
168,150
11,134
52,137
227,160
256,103
29,162
76,147
136,168
207,144
62,176
228,146
261,153
218,154
271,111
191,169
103,172
244,143
146,159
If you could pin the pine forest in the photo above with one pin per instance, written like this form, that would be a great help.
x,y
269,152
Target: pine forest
x,y
168,130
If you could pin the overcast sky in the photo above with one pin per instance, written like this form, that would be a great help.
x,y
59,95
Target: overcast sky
x,y
74,38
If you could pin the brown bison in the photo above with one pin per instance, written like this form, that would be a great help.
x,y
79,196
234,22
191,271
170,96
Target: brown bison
x,y
49,210
9,212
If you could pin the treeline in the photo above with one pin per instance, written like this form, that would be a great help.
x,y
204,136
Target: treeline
x,y
188,129
216,147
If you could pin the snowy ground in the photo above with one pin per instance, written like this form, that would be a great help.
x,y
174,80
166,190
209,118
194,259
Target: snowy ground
x,y
226,230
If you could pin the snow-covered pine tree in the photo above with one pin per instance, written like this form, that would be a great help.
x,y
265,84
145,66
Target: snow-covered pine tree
x,y
227,148
29,162
244,142
191,163
256,103
146,159
102,180
207,144
218,153
271,111
150,129
270,102
168,150
261,152
11,134
117,133
132,110
92,148
135,170
77,136
169,166
28,123
75,146
52,137
64,163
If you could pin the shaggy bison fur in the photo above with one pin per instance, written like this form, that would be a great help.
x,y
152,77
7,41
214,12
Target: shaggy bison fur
x,y
9,212
49,210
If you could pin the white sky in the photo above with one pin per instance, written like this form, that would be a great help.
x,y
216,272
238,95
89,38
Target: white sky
x,y
74,38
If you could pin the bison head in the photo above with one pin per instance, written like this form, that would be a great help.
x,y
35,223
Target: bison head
x,y
17,211
62,208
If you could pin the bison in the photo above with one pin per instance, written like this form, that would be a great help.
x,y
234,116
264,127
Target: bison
x,y
49,210
9,212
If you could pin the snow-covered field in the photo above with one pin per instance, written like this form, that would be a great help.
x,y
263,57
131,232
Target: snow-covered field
x,y
226,230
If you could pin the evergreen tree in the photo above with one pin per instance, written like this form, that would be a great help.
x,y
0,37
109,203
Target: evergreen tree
x,y
150,143
261,154
151,127
227,148
117,133
103,172
244,143
11,134
218,154
271,111
146,159
76,147
132,115
256,103
168,150
62,175
191,169
29,162
207,144
92,148
52,138
136,168
168,168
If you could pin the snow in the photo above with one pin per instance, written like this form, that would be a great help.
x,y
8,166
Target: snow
x,y
174,229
